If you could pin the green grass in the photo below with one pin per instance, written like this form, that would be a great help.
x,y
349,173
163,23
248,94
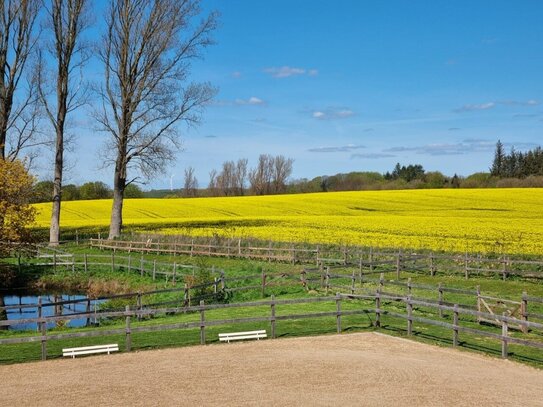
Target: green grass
x,y
509,289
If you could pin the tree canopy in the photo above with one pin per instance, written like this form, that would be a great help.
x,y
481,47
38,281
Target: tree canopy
x,y
16,213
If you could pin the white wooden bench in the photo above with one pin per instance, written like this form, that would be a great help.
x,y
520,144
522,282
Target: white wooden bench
x,y
236,336
87,350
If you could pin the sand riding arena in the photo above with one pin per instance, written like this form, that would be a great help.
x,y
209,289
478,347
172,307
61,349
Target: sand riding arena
x,y
350,369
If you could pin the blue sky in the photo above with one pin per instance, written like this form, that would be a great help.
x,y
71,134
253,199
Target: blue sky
x,y
360,85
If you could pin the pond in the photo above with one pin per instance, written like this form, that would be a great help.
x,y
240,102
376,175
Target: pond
x,y
24,306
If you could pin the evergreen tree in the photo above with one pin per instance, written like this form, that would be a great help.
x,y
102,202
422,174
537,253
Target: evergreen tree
x,y
499,161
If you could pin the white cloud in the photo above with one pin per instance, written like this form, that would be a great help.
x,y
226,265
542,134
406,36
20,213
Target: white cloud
x,y
337,149
437,149
490,105
236,74
372,156
286,71
471,108
332,113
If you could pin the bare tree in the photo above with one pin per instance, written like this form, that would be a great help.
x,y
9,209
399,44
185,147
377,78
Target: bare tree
x,y
226,180
18,38
260,177
66,19
212,187
146,51
241,175
282,168
190,187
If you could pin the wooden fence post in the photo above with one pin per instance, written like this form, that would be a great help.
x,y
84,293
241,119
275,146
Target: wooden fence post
x,y
327,281
381,281
378,308
479,303
113,261
524,311
223,282
77,237
186,300
409,306
174,280
317,253
409,286
272,319
371,260
154,270
440,292
85,262
202,324
466,270
338,313
141,266
504,337
360,270
239,247
432,266
139,305
455,325
43,329
87,311
263,277
128,340
321,271
191,247
504,267
39,311
353,280
398,264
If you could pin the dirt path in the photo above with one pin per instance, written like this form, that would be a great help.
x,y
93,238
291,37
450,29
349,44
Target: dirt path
x,y
351,369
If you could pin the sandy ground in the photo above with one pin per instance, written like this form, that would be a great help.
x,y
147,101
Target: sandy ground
x,y
350,369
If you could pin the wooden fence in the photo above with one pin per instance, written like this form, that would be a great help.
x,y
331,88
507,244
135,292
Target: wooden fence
x,y
474,299
328,279
369,259
411,306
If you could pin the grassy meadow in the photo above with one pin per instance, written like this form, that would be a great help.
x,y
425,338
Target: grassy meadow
x,y
474,220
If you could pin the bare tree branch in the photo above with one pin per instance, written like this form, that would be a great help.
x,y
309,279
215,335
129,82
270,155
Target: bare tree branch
x,y
146,52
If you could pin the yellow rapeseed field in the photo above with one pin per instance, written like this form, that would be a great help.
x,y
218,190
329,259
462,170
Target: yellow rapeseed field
x,y
474,220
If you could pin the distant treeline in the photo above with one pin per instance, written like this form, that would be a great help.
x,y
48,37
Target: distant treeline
x,y
270,176
89,190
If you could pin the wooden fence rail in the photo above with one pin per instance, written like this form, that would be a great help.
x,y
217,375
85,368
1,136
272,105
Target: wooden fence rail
x,y
366,259
378,298
317,279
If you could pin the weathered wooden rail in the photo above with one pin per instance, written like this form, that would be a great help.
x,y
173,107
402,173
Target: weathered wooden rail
x,y
368,259
412,306
330,278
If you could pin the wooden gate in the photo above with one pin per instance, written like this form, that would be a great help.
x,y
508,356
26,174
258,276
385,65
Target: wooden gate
x,y
498,306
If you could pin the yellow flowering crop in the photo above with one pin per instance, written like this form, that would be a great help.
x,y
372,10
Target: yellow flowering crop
x,y
474,220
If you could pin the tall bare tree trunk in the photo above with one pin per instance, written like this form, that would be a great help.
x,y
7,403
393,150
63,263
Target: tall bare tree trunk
x,y
119,184
54,231
67,21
